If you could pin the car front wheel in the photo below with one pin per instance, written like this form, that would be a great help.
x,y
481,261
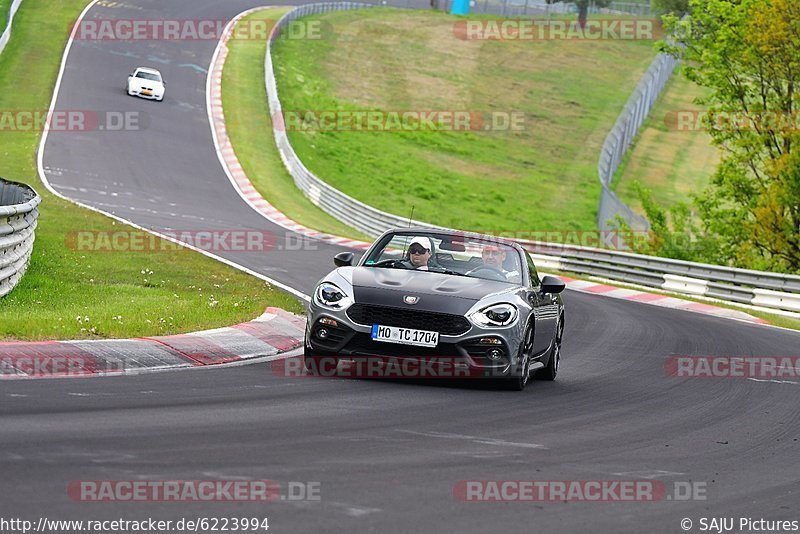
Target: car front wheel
x,y
311,362
551,369
519,379
316,364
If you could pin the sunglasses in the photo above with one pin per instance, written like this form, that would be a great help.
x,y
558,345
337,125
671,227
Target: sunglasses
x,y
417,250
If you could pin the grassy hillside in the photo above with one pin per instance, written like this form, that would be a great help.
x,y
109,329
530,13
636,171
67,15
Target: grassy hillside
x,y
540,177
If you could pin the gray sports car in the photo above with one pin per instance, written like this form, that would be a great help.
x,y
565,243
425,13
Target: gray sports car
x,y
433,304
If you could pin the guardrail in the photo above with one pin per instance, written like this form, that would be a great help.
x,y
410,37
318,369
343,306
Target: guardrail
x,y
6,36
758,288
769,290
18,219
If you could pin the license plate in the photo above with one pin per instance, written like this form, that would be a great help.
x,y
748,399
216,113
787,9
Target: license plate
x,y
404,336
147,93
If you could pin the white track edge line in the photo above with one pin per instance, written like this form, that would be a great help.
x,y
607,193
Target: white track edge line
x,y
46,182
212,121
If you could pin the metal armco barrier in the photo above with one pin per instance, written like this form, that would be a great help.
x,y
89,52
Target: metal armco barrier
x,y
770,290
758,288
18,218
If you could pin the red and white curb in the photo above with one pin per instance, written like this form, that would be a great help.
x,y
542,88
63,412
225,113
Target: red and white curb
x,y
275,332
248,192
230,162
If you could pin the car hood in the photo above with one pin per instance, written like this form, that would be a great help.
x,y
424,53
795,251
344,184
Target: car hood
x,y
436,292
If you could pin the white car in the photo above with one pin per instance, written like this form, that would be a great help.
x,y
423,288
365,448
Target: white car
x,y
146,83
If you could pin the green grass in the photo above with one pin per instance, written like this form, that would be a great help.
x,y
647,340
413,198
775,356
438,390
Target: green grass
x,y
5,5
249,126
541,178
671,163
173,294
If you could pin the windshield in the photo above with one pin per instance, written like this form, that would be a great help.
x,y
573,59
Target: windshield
x,y
148,76
453,255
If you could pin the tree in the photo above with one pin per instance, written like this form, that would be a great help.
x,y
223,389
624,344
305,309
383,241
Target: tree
x,y
746,52
674,232
583,9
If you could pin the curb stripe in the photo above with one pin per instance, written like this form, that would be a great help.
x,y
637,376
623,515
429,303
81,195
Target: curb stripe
x,y
282,342
196,348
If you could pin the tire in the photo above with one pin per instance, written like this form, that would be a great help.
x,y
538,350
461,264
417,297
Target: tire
x,y
319,365
311,362
550,371
521,376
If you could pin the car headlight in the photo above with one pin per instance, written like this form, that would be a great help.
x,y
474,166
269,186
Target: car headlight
x,y
330,296
496,315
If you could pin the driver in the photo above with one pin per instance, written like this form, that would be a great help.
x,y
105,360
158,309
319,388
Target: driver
x,y
419,252
494,257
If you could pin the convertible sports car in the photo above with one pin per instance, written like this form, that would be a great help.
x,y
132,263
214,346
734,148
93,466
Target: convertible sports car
x,y
472,300
146,83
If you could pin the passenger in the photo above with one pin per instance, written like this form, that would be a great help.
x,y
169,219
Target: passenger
x,y
494,256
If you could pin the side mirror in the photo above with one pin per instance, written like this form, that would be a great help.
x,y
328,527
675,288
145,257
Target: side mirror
x,y
343,259
552,285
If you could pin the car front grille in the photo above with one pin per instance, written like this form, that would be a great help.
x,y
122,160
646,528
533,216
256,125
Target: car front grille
x,y
444,323
362,344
